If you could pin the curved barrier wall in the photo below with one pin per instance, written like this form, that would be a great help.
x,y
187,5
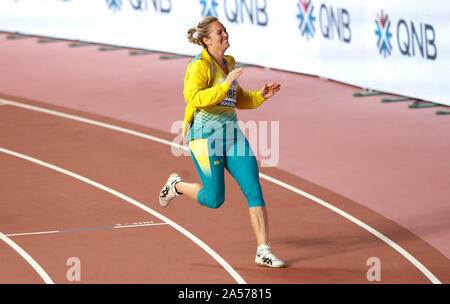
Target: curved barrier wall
x,y
400,47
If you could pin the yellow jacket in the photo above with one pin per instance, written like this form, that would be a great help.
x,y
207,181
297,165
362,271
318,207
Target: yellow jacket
x,y
200,94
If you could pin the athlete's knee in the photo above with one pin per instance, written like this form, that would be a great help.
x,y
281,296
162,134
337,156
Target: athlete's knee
x,y
217,200
211,199
252,190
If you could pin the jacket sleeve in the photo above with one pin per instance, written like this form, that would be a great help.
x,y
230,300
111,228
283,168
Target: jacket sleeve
x,y
196,91
246,99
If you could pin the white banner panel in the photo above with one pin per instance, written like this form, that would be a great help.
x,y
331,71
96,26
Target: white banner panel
x,y
400,47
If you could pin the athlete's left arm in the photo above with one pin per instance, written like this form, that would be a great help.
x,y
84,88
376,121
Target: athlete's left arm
x,y
248,100
253,99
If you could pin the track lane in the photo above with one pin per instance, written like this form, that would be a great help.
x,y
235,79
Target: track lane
x,y
349,217
244,219
14,269
365,165
94,249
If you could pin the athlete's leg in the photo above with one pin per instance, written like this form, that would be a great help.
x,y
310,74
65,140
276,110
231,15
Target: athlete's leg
x,y
260,224
242,165
189,189
210,167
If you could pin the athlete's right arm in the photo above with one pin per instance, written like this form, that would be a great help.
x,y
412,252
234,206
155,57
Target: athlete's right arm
x,y
196,91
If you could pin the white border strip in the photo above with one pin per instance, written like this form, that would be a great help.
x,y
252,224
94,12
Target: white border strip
x,y
27,258
189,235
376,233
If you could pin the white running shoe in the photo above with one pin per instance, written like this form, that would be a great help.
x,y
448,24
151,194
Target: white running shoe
x,y
169,192
265,257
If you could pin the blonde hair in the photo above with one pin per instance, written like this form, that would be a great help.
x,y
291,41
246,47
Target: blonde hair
x,y
196,34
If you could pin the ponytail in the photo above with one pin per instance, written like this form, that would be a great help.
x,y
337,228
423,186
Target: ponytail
x,y
196,34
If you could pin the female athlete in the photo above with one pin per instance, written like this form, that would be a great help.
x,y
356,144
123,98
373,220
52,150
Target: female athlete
x,y
215,140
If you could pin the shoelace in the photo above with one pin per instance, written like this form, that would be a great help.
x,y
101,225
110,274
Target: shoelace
x,y
264,248
265,251
267,255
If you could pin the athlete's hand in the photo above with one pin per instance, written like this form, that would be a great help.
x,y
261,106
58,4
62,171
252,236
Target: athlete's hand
x,y
269,90
233,75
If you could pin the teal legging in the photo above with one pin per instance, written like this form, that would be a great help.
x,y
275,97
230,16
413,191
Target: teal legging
x,y
212,156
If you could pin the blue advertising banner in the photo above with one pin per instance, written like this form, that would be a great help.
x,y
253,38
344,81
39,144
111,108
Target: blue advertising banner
x,y
400,47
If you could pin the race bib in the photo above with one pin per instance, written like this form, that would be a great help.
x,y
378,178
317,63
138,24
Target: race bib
x,y
230,99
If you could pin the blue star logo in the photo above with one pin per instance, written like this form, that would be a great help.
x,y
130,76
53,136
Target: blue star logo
x,y
114,5
306,18
209,8
384,34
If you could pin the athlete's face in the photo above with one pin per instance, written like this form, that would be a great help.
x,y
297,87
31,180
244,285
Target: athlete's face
x,y
218,37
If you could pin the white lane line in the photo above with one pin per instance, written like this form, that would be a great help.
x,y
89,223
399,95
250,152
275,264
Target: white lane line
x,y
27,258
31,233
373,231
92,122
376,233
188,234
140,225
84,229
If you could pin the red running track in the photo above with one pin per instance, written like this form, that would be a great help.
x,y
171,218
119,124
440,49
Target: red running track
x,y
319,245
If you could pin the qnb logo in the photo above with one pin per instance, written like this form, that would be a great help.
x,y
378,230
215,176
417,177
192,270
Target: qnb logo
x,y
161,6
114,5
335,23
413,38
238,11
306,18
384,34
